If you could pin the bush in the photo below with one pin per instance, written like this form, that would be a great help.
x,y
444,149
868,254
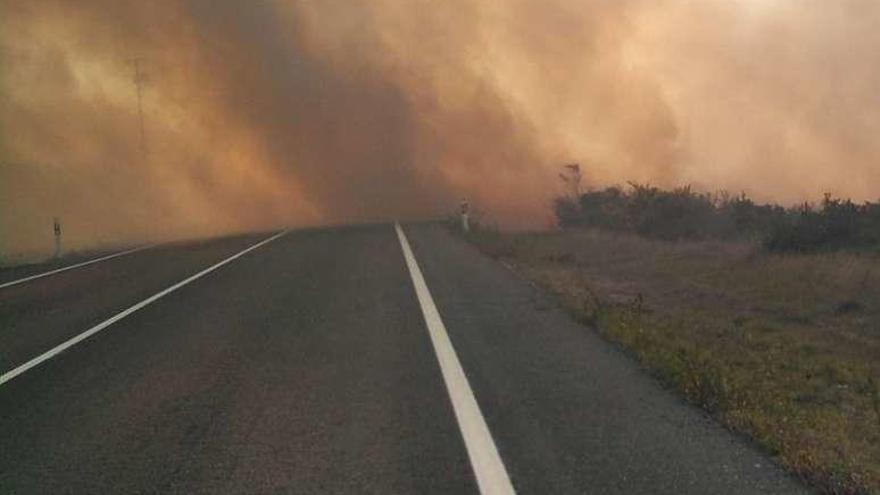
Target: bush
x,y
838,224
670,215
682,213
653,212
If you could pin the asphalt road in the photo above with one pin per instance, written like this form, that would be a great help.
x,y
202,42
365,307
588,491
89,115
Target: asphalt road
x,y
306,366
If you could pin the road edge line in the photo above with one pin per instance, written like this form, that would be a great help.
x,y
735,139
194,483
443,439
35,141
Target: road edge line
x,y
75,265
492,477
9,375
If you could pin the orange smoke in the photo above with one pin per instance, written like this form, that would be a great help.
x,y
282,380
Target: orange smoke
x,y
261,114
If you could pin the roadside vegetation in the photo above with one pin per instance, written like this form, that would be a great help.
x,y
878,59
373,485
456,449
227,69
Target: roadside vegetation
x,y
768,318
684,214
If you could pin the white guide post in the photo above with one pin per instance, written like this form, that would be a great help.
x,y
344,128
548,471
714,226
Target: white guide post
x,y
57,226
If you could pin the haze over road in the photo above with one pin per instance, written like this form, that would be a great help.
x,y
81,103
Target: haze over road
x,y
310,365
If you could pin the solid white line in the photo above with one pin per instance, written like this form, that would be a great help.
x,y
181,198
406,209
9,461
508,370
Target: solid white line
x,y
77,265
9,375
491,474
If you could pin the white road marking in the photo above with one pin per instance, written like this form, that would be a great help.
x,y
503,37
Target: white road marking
x,y
77,265
9,375
491,474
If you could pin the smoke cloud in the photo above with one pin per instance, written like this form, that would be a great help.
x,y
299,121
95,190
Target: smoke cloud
x,y
269,113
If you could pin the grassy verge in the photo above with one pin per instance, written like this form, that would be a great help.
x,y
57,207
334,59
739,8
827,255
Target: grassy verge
x,y
783,349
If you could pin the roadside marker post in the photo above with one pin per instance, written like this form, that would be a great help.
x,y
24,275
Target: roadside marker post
x,y
465,214
57,226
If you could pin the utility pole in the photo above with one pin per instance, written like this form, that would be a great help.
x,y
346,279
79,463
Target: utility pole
x,y
140,79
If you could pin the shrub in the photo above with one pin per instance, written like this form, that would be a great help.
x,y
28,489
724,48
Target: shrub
x,y
656,213
683,213
838,224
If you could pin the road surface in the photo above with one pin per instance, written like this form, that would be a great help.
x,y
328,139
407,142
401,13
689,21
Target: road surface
x,y
315,363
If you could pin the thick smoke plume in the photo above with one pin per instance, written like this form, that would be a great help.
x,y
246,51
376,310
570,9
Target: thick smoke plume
x,y
266,113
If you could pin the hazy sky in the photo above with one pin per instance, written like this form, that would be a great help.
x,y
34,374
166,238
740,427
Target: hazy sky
x,y
267,113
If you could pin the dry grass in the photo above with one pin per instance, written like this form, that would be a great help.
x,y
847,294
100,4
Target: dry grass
x,y
784,349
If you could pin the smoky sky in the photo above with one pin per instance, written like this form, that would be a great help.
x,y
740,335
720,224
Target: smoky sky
x,y
262,114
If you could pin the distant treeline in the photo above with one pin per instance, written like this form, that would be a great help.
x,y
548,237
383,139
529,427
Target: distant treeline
x,y
683,213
